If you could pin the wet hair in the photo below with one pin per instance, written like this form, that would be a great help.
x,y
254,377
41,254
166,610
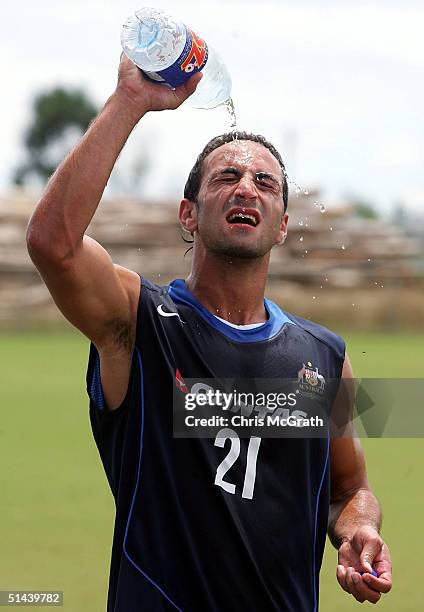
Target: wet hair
x,y
192,186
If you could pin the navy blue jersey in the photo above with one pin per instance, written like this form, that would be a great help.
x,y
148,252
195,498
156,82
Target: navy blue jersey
x,y
185,539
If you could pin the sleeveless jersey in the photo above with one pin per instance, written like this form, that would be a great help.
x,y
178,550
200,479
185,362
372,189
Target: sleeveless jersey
x,y
181,542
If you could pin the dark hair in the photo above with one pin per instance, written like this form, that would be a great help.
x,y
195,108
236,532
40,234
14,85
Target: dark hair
x,y
192,186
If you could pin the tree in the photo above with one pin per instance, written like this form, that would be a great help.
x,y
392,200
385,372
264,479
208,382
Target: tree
x,y
365,210
362,208
60,116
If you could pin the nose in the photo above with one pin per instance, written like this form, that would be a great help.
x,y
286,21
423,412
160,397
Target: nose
x,y
246,188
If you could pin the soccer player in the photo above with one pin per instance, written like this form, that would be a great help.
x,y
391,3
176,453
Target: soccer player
x,y
229,523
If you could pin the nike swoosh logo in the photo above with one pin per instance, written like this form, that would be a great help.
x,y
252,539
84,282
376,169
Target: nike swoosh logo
x,y
167,314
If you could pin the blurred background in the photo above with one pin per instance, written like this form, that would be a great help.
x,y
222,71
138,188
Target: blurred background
x,y
337,88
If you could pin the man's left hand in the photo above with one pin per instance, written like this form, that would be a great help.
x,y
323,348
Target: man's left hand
x,y
363,552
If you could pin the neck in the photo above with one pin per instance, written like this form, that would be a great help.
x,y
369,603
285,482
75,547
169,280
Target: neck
x,y
230,288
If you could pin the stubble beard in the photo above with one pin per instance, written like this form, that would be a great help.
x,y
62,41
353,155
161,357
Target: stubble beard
x,y
231,251
224,249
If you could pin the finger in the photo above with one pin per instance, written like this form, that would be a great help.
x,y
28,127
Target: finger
x,y
361,591
125,60
383,583
341,577
371,548
357,590
182,92
382,562
349,581
352,584
191,84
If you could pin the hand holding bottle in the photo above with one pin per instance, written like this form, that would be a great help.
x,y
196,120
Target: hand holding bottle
x,y
145,95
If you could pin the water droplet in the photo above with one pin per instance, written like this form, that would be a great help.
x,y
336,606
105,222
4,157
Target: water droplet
x,y
321,207
382,286
158,275
301,222
314,297
306,252
306,192
306,225
375,283
343,247
369,259
331,229
326,279
320,286
301,239
353,304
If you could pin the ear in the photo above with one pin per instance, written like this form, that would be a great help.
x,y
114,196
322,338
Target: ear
x,y
282,234
188,215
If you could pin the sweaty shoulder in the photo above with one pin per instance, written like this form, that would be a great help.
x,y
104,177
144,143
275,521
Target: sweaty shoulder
x,y
322,334
130,281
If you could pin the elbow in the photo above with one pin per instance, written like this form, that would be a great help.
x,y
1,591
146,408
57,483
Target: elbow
x,y
44,248
36,242
40,247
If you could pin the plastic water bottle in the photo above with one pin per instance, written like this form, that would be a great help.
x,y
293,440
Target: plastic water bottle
x,y
167,51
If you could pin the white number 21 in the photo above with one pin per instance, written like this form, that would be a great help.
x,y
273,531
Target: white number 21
x,y
231,458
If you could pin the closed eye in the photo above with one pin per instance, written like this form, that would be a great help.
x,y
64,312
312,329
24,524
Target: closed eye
x,y
229,174
228,178
267,180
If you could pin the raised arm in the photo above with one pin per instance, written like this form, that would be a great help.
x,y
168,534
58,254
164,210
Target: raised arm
x,y
355,514
96,296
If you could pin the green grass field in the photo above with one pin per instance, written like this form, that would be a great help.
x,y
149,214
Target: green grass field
x,y
56,509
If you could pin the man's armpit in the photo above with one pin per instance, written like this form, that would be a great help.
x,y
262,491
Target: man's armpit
x,y
120,333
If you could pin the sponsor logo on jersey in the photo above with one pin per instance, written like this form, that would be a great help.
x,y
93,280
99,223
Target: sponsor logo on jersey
x,y
179,382
310,380
196,56
164,313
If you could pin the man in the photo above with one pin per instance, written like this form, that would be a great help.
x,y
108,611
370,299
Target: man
x,y
204,524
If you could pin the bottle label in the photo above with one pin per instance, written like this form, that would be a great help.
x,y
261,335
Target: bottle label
x,y
192,59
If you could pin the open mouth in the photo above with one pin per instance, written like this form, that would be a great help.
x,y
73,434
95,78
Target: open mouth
x,y
243,218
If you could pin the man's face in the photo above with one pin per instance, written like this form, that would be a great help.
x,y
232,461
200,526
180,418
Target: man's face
x,y
240,204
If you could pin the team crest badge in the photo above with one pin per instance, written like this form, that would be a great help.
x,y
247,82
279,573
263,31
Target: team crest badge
x,y
310,380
